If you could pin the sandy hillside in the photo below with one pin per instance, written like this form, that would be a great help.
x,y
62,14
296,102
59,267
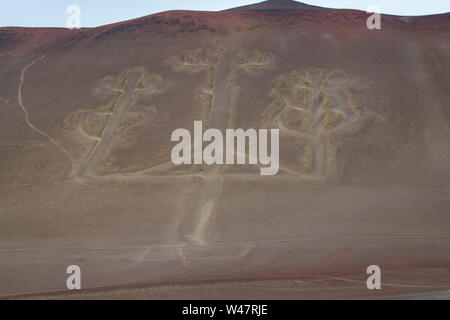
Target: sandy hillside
x,y
86,176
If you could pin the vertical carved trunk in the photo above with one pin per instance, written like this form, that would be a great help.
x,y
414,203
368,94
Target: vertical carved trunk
x,y
222,69
112,125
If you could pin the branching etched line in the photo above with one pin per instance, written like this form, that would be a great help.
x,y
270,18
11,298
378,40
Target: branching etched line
x,y
112,126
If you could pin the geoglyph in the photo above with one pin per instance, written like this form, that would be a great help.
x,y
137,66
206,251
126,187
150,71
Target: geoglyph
x,y
315,108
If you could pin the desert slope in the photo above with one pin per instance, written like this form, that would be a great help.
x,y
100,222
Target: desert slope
x,y
276,6
86,176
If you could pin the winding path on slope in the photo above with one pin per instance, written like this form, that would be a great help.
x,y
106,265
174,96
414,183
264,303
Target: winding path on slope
x,y
32,126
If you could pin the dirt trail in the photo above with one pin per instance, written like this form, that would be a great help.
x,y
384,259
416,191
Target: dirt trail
x,y
32,126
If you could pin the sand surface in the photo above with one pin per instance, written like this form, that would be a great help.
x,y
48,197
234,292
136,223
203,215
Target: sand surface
x,y
86,176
